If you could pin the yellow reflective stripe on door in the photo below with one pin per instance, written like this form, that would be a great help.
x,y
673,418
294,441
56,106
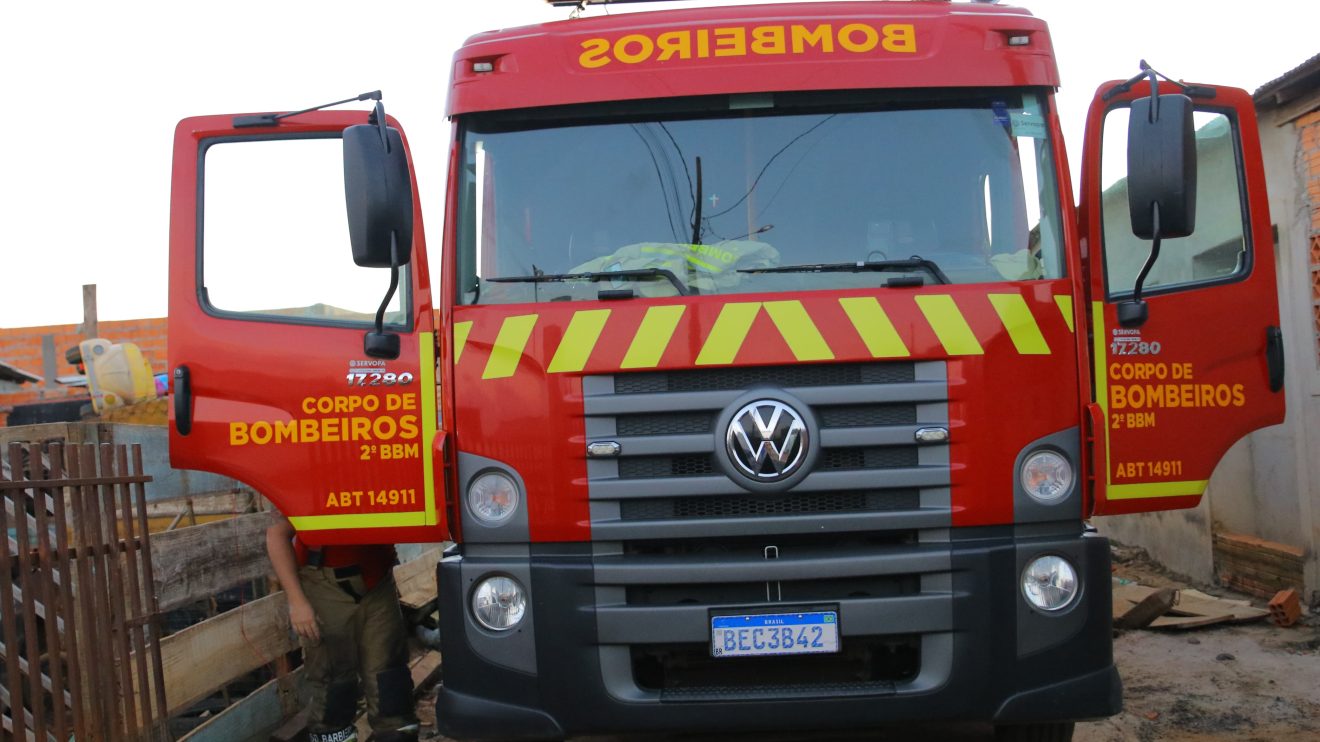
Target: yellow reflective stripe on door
x,y
949,325
653,336
1155,489
1020,323
579,340
426,374
508,348
358,520
874,327
798,330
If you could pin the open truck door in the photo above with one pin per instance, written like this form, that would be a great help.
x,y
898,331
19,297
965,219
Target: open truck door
x,y
1186,347
289,372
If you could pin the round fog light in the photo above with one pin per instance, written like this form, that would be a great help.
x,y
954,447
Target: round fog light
x,y
1047,476
493,498
499,603
1050,583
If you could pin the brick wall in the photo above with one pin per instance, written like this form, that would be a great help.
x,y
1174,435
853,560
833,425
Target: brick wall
x,y
1308,127
21,347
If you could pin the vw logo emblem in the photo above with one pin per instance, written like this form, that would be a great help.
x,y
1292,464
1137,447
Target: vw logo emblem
x,y
767,441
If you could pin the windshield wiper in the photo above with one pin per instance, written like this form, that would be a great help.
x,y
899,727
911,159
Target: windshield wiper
x,y
913,263
597,276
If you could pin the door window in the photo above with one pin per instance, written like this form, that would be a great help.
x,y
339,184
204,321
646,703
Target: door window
x,y
275,236
1215,252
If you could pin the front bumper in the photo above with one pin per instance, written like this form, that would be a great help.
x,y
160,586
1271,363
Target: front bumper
x,y
570,668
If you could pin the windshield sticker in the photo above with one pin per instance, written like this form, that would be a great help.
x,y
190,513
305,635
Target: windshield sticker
x,y
1027,124
1001,112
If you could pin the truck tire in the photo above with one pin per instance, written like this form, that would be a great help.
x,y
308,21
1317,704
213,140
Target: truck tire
x,y
1055,732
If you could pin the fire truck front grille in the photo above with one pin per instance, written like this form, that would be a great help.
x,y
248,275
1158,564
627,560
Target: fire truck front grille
x,y
858,416
740,507
874,457
670,479
892,591
647,467
678,538
666,423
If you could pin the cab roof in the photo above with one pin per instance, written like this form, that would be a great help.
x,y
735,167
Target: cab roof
x,y
752,49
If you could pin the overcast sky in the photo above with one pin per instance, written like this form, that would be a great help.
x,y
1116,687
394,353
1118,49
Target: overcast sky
x,y
94,90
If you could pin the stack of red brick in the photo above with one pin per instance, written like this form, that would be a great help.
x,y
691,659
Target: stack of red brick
x,y
21,347
1308,128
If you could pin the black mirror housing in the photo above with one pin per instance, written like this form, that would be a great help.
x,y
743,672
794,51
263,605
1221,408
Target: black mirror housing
x,y
378,194
1162,167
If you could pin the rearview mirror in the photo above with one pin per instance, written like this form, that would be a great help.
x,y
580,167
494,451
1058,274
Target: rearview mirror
x,y
1162,167
378,194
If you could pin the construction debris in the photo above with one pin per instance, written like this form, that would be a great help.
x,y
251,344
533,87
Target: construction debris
x,y
1138,606
1285,608
1148,609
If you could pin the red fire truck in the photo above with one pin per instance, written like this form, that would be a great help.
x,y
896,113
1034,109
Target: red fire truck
x,y
773,371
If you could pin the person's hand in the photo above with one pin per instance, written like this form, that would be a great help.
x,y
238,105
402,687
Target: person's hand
x,y
303,618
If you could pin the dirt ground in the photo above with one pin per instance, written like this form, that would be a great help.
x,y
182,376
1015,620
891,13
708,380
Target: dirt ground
x,y
1242,682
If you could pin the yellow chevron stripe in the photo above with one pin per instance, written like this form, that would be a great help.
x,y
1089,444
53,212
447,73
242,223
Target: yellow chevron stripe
x,y
798,330
727,336
508,348
874,327
579,340
949,325
649,344
461,330
1020,323
1066,308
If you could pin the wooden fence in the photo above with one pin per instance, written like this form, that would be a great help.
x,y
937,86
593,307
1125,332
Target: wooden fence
x,y
81,649
80,552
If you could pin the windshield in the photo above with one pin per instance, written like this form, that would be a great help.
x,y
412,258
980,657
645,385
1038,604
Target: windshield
x,y
828,196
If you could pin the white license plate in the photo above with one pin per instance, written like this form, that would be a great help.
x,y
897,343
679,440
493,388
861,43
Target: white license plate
x,y
764,634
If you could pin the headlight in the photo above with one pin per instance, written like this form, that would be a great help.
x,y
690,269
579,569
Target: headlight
x,y
493,498
1050,583
499,603
1047,476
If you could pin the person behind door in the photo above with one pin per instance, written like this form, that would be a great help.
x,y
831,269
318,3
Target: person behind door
x,y
345,609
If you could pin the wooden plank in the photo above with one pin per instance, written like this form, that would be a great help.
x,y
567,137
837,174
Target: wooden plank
x,y
133,550
416,579
425,670
1192,608
263,709
89,325
70,618
121,648
152,606
7,614
50,595
220,503
208,655
68,433
193,563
